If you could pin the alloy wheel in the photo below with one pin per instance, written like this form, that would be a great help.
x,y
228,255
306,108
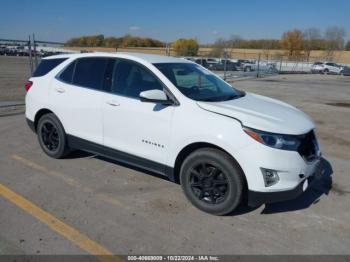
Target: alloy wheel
x,y
209,183
50,136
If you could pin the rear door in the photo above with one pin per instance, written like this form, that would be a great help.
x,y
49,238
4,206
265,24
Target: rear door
x,y
76,96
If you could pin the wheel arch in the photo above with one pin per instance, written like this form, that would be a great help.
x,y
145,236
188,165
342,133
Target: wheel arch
x,y
187,150
39,114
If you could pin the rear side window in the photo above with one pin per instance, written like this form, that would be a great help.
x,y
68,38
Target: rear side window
x,y
46,66
89,72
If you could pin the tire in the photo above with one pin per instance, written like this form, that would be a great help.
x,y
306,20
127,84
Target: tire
x,y
212,181
52,137
326,71
247,69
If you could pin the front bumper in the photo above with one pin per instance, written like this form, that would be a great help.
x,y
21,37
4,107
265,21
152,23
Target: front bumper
x,y
293,169
258,198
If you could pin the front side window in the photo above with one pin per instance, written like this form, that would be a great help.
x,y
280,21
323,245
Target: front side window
x,y
46,66
89,72
130,79
197,83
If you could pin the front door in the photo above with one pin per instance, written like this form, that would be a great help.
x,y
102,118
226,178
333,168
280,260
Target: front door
x,y
137,128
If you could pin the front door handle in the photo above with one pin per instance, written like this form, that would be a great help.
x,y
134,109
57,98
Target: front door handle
x,y
60,90
112,103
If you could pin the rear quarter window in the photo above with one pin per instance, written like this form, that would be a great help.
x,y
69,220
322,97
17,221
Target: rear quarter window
x,y
46,66
67,74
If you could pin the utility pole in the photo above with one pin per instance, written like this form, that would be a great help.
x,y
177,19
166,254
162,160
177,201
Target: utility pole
x,y
258,71
225,64
167,49
35,54
30,56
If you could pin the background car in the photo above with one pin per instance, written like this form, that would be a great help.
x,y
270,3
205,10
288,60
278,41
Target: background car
x,y
345,71
212,61
241,62
202,62
224,64
326,68
262,65
248,66
317,67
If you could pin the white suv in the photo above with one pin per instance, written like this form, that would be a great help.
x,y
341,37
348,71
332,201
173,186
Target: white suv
x,y
326,68
176,118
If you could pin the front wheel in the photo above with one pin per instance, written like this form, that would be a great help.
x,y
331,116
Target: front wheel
x,y
52,137
212,181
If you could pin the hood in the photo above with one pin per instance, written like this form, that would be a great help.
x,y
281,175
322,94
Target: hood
x,y
263,113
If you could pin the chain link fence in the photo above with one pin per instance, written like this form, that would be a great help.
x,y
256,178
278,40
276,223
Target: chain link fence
x,y
233,65
230,64
33,49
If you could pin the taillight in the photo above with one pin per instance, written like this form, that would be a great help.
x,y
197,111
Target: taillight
x,y
28,85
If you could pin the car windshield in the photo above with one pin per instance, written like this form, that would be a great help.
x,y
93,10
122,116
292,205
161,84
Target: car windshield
x,y
198,83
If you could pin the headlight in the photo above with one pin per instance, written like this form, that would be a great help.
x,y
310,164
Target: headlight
x,y
285,142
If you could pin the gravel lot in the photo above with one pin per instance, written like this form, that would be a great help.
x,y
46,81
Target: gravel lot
x,y
128,211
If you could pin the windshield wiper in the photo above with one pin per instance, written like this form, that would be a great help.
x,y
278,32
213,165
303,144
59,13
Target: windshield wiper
x,y
211,99
221,98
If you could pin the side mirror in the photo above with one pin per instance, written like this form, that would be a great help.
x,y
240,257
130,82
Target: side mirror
x,y
155,96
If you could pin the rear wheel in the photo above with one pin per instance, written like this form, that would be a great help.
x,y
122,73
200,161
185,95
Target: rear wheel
x,y
325,71
52,137
212,181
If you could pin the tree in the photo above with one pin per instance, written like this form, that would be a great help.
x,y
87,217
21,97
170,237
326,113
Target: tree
x,y
312,37
292,41
112,42
185,47
236,41
335,37
218,47
125,41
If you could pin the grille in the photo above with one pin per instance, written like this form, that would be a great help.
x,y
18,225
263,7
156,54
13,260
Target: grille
x,y
308,148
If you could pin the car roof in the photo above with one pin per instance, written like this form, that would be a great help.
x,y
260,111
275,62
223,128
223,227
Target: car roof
x,y
133,56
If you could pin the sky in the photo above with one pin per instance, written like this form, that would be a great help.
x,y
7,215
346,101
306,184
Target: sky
x,y
168,20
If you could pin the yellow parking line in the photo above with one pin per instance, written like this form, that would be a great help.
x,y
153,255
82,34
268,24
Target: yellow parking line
x,y
68,180
58,226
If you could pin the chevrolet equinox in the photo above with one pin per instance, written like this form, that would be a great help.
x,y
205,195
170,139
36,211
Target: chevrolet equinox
x,y
175,118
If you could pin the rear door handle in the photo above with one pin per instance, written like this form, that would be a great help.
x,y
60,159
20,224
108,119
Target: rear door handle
x,y
60,90
112,103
